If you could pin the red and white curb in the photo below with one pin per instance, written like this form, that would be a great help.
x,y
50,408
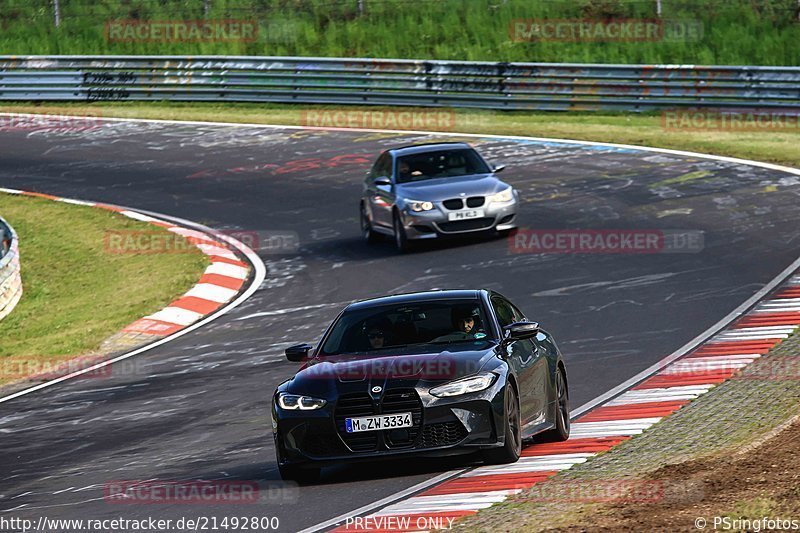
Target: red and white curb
x,y
221,287
603,427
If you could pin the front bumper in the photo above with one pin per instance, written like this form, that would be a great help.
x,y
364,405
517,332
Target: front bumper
x,y
442,426
436,223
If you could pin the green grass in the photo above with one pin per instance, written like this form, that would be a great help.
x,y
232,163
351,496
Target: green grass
x,y
762,32
770,146
75,293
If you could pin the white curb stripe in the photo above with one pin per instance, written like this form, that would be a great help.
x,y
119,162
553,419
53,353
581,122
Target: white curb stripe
x,y
215,293
209,249
762,329
521,468
75,202
686,392
176,315
226,269
144,218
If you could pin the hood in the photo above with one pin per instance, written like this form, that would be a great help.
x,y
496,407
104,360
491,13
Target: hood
x,y
439,189
332,375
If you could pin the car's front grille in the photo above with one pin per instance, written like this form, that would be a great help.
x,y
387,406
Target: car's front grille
x,y
453,204
402,401
466,225
475,201
441,434
393,401
352,405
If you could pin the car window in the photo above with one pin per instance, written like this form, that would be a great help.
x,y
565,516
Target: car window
x,y
383,167
504,311
404,325
440,164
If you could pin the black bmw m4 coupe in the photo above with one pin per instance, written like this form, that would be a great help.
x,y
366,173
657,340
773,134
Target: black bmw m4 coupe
x,y
431,373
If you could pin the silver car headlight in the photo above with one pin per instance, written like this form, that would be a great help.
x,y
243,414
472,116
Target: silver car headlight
x,y
464,386
503,197
419,206
296,402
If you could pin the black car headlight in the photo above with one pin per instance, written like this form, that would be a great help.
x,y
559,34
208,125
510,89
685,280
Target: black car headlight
x,y
296,402
465,386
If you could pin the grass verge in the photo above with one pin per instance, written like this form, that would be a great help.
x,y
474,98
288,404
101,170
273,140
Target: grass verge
x,y
774,146
75,292
693,32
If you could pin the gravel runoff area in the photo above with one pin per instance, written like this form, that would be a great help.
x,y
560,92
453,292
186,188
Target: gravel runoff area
x,y
733,453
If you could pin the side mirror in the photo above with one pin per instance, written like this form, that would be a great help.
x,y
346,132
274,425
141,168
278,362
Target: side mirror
x,y
521,330
383,181
498,168
298,353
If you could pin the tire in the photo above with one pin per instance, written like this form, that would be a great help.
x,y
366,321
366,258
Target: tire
x,y
512,448
561,430
400,239
366,227
300,475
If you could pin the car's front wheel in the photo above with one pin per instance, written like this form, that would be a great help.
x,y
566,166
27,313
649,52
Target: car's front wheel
x,y
400,239
366,227
512,448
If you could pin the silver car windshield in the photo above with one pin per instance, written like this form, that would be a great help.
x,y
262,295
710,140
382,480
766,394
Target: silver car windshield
x,y
439,164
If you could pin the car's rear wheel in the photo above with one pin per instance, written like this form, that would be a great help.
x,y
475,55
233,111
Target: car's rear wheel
x,y
400,239
366,227
512,448
560,431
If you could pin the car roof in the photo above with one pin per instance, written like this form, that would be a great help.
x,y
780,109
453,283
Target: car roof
x,y
415,297
427,147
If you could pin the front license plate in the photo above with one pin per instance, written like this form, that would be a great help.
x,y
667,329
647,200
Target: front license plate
x,y
375,423
467,214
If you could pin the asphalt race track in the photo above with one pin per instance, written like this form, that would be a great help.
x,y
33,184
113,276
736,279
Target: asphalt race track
x,y
198,407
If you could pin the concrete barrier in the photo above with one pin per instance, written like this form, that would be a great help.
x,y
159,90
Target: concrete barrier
x,y
10,278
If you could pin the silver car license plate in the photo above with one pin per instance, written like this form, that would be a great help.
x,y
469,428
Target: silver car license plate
x,y
466,214
378,422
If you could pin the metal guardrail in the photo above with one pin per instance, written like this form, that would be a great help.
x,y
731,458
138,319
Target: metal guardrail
x,y
508,86
10,278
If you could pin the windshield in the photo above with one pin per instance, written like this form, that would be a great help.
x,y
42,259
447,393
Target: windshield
x,y
433,323
440,164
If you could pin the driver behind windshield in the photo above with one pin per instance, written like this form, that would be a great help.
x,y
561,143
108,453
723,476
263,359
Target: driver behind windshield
x,y
376,332
466,323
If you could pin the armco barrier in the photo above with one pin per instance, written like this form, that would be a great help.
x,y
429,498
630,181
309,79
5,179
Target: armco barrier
x,y
508,86
10,278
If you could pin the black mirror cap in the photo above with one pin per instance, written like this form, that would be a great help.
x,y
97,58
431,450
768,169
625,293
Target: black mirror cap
x,y
298,353
383,180
521,330
498,168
